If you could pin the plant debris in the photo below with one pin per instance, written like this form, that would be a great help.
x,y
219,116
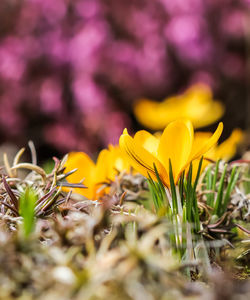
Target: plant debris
x,y
117,247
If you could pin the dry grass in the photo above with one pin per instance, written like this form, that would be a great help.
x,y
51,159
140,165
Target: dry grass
x,y
115,248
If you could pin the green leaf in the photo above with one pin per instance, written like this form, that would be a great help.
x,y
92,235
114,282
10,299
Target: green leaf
x,y
27,210
232,182
158,193
215,175
181,187
189,190
209,186
246,180
198,174
219,198
173,190
194,198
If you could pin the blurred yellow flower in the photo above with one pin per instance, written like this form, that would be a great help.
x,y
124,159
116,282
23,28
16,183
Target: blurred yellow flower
x,y
116,162
109,162
195,104
225,151
176,143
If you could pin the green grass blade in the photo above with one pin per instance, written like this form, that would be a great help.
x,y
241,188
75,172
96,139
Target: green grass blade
x,y
189,190
215,176
246,182
209,185
173,190
158,177
158,193
196,218
181,187
198,174
232,182
219,198
27,210
154,194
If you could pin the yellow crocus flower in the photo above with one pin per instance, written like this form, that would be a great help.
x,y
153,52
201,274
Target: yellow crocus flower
x,y
225,151
116,162
109,162
177,144
196,104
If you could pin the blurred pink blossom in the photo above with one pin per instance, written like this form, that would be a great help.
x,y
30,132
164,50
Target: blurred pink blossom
x,y
70,70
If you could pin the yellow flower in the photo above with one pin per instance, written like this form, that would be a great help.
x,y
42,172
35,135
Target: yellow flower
x,y
228,148
116,162
109,162
87,170
196,104
176,144
225,151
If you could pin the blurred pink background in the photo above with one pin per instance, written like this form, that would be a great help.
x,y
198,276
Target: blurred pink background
x,y
70,70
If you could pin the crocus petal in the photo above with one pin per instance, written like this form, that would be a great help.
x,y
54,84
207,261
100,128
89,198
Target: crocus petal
x,y
156,115
195,167
209,113
146,111
200,138
228,148
118,161
199,150
147,141
196,104
141,159
85,170
176,144
102,164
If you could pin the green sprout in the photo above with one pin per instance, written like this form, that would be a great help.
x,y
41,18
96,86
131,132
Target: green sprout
x,y
218,195
179,204
27,210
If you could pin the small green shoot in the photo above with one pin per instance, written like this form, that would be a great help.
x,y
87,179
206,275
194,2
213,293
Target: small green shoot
x,y
48,166
190,196
27,210
218,196
178,203
158,193
246,180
